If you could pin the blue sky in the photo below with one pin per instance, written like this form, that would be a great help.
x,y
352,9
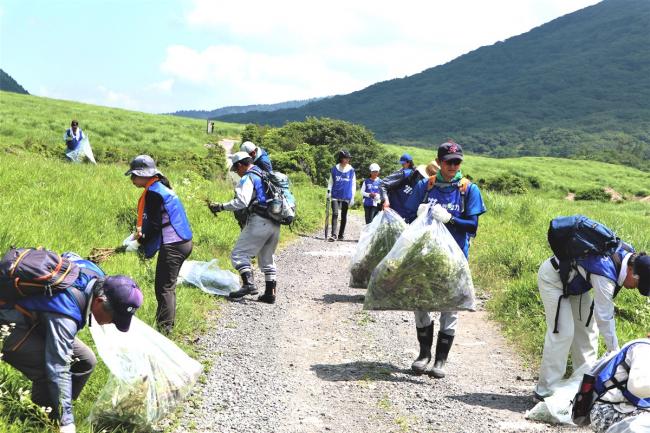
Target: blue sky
x,y
167,55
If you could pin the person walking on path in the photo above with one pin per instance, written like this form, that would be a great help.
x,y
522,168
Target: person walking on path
x,y
371,192
458,204
260,235
260,156
398,186
162,228
341,187
42,340
576,332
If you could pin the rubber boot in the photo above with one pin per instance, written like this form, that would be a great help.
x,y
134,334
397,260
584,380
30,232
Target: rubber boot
x,y
248,286
442,351
269,293
425,338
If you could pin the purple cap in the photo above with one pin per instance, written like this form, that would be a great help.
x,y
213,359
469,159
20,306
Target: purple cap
x,y
642,269
125,297
450,150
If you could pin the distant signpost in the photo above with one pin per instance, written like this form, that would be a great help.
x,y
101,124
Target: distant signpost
x,y
210,126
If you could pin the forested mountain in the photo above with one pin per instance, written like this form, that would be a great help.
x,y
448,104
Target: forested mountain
x,y
8,84
576,86
238,109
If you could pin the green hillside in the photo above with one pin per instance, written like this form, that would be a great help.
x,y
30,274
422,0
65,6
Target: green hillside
x,y
577,86
49,202
8,84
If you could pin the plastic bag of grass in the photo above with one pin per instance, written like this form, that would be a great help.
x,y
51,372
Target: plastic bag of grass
x,y
149,376
375,241
209,277
424,271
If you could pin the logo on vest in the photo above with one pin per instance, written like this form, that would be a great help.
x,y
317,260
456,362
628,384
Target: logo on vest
x,y
342,179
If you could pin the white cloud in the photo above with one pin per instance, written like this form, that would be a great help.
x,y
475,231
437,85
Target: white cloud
x,y
112,98
291,49
164,86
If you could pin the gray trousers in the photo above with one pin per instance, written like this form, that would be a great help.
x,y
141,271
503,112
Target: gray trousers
x,y
258,239
448,321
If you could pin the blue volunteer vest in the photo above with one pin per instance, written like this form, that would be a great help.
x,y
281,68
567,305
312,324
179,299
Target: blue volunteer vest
x,y
177,219
74,143
605,379
451,198
65,302
597,265
342,184
399,196
371,186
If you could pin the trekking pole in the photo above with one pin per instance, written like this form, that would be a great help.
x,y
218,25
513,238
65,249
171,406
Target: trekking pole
x,y
328,200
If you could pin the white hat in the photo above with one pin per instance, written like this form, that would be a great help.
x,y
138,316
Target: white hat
x,y
374,167
247,146
239,156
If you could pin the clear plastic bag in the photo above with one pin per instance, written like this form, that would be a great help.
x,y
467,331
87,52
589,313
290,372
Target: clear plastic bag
x,y
150,375
82,151
209,277
556,409
424,271
375,241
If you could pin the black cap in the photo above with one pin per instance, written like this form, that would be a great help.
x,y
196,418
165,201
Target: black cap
x,y
450,150
642,269
344,154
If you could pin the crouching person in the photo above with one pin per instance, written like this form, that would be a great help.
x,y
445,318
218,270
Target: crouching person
x,y
260,235
42,343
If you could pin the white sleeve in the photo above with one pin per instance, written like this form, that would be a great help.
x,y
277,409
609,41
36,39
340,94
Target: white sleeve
x,y
638,382
330,182
363,191
354,185
604,309
243,195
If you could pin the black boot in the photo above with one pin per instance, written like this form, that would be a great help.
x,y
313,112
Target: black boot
x,y
248,286
269,293
425,338
442,351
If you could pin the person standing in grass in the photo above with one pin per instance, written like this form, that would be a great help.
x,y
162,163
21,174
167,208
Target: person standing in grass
x,y
371,192
457,203
162,228
569,325
72,137
41,334
260,156
398,186
260,235
341,187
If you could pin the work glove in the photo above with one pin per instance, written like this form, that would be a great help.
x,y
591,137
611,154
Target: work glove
x,y
422,208
372,194
131,243
215,208
68,428
440,213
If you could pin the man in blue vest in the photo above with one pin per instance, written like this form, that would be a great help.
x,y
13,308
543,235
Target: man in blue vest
x,y
261,233
569,325
43,342
341,188
622,389
260,156
398,186
458,204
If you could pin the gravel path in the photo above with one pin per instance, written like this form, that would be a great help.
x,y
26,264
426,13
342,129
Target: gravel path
x,y
316,362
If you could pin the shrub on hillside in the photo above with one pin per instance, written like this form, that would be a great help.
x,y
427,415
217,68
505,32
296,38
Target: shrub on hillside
x,y
595,194
506,184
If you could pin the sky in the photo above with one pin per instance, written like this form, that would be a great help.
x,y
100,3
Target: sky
x,y
168,55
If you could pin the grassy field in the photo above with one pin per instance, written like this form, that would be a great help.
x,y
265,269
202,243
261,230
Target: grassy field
x,y
511,241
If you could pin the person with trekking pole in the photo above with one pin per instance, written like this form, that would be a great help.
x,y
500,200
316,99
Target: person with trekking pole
x,y
614,397
341,187
371,193
261,233
565,281
42,316
162,228
398,186
457,204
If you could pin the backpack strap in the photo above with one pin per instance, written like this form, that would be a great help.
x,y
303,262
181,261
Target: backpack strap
x,y
564,269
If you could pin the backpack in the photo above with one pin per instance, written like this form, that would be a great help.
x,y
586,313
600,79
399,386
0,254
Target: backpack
x,y
280,202
575,237
34,271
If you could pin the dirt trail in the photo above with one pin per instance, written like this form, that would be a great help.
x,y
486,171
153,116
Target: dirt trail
x,y
316,362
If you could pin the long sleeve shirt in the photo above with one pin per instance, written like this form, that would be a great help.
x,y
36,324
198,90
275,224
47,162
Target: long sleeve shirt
x,y
244,194
376,199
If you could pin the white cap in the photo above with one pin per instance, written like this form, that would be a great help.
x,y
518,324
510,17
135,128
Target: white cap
x,y
235,158
374,167
247,146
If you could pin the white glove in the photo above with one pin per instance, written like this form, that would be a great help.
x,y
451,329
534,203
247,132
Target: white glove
x,y
422,208
131,244
70,428
440,213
